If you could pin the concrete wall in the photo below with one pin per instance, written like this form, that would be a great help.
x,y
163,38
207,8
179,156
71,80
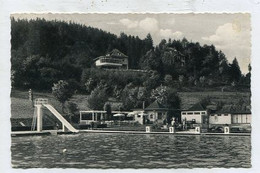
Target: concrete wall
x,y
241,118
193,115
220,119
197,118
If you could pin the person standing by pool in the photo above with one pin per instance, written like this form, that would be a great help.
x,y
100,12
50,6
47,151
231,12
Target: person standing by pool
x,y
184,124
173,122
57,125
92,125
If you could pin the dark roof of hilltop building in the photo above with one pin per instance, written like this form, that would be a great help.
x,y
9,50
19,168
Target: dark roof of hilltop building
x,y
155,106
117,53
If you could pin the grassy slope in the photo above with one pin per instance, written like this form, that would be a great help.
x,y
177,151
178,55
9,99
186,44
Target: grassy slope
x,y
190,98
21,107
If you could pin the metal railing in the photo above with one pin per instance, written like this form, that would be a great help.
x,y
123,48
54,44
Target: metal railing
x,y
111,60
40,101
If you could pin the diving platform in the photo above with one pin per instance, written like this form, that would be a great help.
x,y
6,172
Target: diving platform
x,y
40,103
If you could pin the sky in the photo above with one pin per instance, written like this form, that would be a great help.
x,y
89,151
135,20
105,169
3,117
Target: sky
x,y
230,33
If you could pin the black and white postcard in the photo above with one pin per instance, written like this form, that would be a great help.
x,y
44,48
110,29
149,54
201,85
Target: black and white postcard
x,y
131,90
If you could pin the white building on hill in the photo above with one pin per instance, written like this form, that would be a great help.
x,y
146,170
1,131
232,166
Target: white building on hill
x,y
114,59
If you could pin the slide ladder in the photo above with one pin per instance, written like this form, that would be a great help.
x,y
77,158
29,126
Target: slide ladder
x,y
60,118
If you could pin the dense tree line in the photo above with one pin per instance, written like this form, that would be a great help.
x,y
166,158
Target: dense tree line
x,y
184,63
44,52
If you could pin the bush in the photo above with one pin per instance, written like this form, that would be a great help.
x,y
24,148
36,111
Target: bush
x,y
62,92
97,98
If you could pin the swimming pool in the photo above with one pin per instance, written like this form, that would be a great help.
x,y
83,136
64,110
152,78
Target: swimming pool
x,y
99,150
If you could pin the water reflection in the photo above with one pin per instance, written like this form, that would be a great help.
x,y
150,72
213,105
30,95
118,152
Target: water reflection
x,y
130,151
197,137
226,140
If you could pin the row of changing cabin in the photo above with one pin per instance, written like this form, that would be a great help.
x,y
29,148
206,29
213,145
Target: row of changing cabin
x,y
197,130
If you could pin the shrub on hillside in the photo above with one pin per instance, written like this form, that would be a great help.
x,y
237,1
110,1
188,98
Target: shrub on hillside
x,y
62,92
97,98
72,111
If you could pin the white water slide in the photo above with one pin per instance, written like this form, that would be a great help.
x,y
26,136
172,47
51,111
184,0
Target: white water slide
x,y
61,118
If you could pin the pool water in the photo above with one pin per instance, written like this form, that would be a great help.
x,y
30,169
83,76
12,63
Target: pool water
x,y
87,150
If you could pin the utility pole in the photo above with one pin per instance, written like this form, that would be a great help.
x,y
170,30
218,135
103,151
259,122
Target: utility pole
x,y
30,92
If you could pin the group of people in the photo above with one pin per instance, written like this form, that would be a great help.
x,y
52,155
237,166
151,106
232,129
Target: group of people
x,y
182,125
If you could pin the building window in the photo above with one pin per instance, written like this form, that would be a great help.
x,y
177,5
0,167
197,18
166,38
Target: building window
x,y
159,115
212,115
86,116
219,115
184,113
110,60
197,113
138,116
151,116
98,116
225,114
203,113
190,113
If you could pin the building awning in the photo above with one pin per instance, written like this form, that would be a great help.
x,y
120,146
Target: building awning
x,y
109,64
118,115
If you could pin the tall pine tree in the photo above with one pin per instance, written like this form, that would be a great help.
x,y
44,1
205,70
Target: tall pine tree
x,y
235,73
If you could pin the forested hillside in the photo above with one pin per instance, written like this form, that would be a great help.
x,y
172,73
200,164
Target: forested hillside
x,y
44,52
52,50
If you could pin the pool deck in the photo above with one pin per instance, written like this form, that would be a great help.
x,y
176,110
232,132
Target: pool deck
x,y
44,132
32,133
176,133
180,133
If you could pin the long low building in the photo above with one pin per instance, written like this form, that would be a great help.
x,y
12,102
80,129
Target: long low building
x,y
202,115
228,115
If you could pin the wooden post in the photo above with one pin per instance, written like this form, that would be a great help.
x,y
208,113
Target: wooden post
x,y
39,117
64,129
197,129
171,130
148,129
226,130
